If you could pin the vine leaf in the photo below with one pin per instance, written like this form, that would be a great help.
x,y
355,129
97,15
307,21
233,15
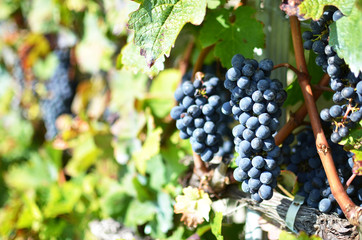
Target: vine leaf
x,y
130,59
157,24
314,8
195,206
353,142
216,225
240,36
345,37
161,101
150,148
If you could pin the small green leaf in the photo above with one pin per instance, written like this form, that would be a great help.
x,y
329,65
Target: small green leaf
x,y
150,148
157,170
161,93
164,212
289,180
241,36
314,8
35,173
345,37
44,69
84,156
212,4
62,200
216,225
139,213
157,24
30,213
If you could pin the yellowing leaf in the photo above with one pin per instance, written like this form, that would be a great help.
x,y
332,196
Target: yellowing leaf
x,y
194,206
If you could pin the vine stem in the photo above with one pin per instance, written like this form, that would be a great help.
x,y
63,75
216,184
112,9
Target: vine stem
x,y
350,210
287,65
200,168
322,88
200,60
296,118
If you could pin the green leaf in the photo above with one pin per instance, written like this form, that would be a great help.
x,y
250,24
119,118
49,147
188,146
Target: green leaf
x,y
157,24
142,190
354,138
139,213
30,213
216,225
150,148
161,92
115,203
241,36
284,235
164,212
99,57
44,16
130,59
214,27
212,4
7,7
37,172
157,170
314,8
44,69
62,200
345,37
289,180
85,154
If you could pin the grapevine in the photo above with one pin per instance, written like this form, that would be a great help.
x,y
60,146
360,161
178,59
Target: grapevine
x,y
180,119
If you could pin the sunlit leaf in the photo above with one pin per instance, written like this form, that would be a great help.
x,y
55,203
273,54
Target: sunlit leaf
x,y
157,24
216,225
345,37
161,99
314,8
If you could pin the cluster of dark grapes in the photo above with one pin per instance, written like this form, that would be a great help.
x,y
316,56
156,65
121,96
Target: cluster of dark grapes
x,y
347,87
302,159
198,117
255,103
60,94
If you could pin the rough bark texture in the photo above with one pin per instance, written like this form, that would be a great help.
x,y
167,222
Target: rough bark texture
x,y
309,220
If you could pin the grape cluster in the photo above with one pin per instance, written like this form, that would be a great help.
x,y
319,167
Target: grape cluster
x,y
199,117
255,102
348,88
60,94
302,159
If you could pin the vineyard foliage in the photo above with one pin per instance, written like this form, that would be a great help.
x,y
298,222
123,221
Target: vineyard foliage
x,y
88,149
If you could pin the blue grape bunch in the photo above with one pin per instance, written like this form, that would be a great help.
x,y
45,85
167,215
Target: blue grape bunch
x,y
255,103
347,86
198,117
301,157
61,92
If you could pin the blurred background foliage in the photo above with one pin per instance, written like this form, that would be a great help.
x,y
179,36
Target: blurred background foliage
x,y
110,156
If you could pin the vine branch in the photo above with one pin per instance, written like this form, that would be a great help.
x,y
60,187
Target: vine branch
x,y
287,65
297,118
200,60
348,207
